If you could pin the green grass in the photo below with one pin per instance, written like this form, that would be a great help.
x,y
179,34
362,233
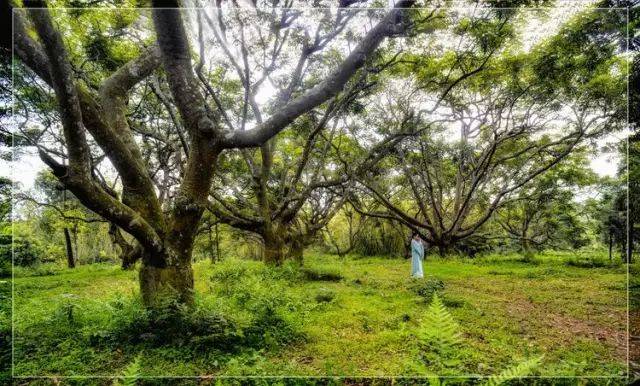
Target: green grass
x,y
336,317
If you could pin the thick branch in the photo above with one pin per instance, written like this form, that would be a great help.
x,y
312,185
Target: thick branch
x,y
325,90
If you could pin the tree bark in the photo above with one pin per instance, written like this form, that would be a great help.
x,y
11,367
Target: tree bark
x,y
162,285
71,263
524,244
217,243
296,250
273,248
212,253
74,238
610,245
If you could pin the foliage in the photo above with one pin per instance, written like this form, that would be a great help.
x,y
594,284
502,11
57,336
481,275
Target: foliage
x,y
518,371
25,253
321,274
449,125
373,307
325,295
6,187
130,374
428,287
348,232
170,324
439,332
6,330
259,291
6,261
589,262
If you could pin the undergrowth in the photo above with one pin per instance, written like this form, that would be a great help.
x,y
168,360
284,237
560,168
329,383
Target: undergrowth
x,y
443,346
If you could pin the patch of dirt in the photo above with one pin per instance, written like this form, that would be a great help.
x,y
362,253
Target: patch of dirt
x,y
567,328
634,343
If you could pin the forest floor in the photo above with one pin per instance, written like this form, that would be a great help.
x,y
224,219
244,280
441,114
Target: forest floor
x,y
335,317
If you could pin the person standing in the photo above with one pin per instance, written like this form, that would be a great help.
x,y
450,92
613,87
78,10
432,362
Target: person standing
x,y
417,254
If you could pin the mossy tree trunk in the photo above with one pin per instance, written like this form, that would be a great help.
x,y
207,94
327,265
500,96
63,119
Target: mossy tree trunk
x,y
296,250
169,282
273,248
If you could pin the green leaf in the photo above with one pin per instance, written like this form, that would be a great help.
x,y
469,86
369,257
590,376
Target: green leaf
x,y
130,374
440,330
521,370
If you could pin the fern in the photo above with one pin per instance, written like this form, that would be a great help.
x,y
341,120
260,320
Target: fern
x,y
440,330
130,374
442,333
518,371
434,380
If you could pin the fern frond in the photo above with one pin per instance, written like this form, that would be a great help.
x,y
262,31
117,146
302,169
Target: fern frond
x,y
439,329
130,374
435,381
521,370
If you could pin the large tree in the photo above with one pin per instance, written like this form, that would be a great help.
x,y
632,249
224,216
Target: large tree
x,y
497,120
93,115
288,189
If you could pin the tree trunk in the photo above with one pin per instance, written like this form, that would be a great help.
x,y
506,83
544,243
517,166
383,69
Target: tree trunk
x,y
273,249
75,241
443,250
128,253
212,255
629,255
218,257
296,250
71,262
163,285
610,245
130,258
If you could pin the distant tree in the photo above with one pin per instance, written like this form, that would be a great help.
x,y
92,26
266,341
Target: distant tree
x,y
343,229
545,213
6,189
517,115
633,172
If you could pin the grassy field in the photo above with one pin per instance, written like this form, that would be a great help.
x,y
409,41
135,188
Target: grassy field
x,y
334,317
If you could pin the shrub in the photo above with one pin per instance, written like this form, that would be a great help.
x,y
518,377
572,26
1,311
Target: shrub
x,y
427,288
130,374
453,302
5,331
169,323
269,313
225,272
273,320
271,328
529,256
48,269
317,274
588,262
24,253
325,295
6,257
